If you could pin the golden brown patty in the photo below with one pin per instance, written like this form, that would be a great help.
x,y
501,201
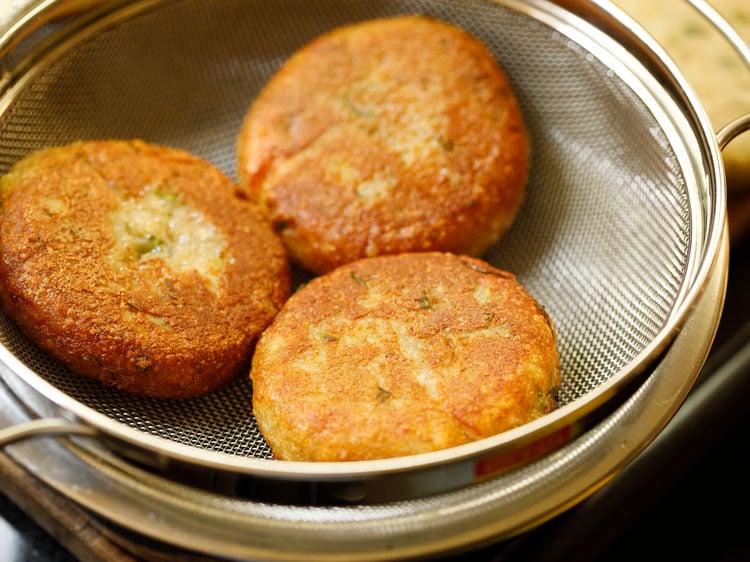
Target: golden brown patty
x,y
398,355
137,265
390,135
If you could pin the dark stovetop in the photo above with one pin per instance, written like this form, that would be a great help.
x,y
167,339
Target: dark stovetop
x,y
682,498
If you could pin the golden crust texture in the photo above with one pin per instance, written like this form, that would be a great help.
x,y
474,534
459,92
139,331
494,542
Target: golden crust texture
x,y
137,265
402,354
385,136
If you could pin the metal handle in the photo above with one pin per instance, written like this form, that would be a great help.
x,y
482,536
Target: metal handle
x,y
733,129
723,27
40,427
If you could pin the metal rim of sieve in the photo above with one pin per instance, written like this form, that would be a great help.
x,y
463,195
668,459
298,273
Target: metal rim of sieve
x,y
617,51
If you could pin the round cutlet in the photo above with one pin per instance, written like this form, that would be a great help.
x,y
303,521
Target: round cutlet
x,y
403,354
386,136
137,265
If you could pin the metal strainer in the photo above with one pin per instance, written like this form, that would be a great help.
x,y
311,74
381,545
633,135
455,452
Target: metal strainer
x,y
622,225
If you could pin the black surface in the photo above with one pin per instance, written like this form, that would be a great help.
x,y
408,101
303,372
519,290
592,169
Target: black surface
x,y
22,540
685,497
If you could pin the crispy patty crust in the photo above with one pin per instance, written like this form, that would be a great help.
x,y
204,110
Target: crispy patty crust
x,y
399,355
137,265
385,136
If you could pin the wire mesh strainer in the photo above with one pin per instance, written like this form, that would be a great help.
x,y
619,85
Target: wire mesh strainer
x,y
622,221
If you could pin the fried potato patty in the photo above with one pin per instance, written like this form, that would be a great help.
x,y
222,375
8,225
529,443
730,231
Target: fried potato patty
x,y
402,354
385,136
137,265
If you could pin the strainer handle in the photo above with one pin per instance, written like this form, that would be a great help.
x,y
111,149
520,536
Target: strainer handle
x,y
733,129
42,427
723,27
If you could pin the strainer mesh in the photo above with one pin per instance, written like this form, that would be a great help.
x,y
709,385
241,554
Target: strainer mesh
x,y
602,240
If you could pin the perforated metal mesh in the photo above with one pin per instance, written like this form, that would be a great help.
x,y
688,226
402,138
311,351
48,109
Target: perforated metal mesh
x,y
603,239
